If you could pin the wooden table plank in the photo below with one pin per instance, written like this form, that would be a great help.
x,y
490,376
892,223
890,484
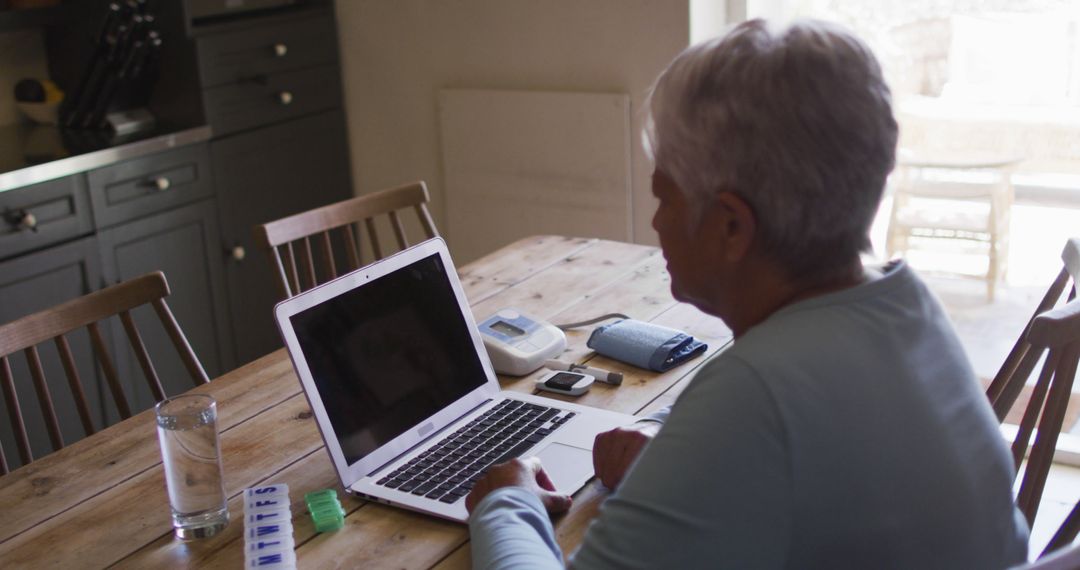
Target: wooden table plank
x,y
568,281
308,473
85,536
378,536
642,294
517,262
458,559
46,487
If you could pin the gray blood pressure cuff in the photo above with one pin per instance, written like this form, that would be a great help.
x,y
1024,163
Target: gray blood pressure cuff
x,y
645,345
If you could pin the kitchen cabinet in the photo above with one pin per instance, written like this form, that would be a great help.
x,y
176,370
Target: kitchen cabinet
x,y
272,91
184,202
67,237
269,174
185,244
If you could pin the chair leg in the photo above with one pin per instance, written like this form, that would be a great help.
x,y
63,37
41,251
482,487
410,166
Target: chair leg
x,y
896,236
993,267
893,238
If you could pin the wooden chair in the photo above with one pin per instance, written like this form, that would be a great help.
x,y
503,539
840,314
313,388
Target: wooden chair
x,y
1068,559
1066,534
1056,332
925,207
54,323
296,265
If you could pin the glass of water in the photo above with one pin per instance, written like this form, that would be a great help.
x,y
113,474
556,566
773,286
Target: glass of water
x,y
191,452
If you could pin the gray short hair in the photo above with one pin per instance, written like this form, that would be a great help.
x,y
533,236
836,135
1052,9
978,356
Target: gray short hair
x,y
796,121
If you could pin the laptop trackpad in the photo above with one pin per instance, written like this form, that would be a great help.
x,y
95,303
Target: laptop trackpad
x,y
568,467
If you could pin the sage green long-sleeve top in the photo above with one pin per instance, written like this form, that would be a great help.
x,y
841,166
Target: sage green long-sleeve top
x,y
845,431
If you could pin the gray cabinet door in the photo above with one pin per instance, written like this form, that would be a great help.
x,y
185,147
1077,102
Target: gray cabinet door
x,y
32,283
262,176
185,245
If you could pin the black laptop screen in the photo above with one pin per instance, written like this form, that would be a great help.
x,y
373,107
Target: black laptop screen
x,y
388,354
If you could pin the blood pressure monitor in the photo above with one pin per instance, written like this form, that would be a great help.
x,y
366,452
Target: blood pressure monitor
x,y
518,343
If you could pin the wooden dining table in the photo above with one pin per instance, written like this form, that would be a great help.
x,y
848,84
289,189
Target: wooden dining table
x,y
102,501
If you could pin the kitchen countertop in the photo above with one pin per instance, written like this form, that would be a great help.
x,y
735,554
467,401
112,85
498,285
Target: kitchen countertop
x,y
32,154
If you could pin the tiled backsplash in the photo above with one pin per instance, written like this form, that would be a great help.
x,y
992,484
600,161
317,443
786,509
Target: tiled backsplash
x,y
22,55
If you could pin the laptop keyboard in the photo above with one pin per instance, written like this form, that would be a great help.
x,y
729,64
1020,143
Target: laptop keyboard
x,y
448,471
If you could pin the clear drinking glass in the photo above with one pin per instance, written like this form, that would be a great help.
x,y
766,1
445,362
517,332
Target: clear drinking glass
x,y
191,452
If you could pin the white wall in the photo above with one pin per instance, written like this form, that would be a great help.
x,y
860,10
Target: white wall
x,y
709,18
397,54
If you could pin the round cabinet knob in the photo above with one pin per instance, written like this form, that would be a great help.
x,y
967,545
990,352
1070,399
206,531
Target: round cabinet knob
x,y
162,183
238,253
28,221
280,50
285,97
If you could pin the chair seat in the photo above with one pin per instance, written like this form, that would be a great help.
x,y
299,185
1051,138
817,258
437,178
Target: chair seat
x,y
971,192
946,223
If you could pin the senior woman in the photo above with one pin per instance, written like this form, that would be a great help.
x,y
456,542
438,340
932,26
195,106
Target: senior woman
x,y
844,427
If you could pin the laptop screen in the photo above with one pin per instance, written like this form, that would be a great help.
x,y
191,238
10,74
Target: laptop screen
x,y
388,354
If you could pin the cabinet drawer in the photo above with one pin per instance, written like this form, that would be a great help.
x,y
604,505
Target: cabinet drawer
x,y
149,184
281,96
247,55
42,214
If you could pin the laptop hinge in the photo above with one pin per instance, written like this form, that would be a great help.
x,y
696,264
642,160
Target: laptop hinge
x,y
427,439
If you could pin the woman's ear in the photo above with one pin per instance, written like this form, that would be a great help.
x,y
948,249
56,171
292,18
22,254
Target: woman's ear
x,y
733,223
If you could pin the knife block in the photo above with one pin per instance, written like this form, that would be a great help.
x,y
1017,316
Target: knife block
x,y
167,85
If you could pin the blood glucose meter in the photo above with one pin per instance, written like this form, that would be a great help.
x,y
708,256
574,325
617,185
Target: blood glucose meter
x,y
518,343
569,383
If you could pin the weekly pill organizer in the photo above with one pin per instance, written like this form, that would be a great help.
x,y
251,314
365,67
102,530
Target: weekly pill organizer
x,y
268,530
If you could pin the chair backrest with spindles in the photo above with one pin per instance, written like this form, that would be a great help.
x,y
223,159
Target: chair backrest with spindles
x,y
1054,330
288,240
26,333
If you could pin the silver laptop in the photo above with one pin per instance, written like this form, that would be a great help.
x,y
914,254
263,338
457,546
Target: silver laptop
x,y
405,397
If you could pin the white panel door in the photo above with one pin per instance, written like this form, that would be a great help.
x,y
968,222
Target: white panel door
x,y
521,163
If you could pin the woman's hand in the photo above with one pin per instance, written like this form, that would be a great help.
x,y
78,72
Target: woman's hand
x,y
614,451
525,473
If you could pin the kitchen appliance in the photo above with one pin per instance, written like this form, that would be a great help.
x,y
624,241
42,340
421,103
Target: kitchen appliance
x,y
119,75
